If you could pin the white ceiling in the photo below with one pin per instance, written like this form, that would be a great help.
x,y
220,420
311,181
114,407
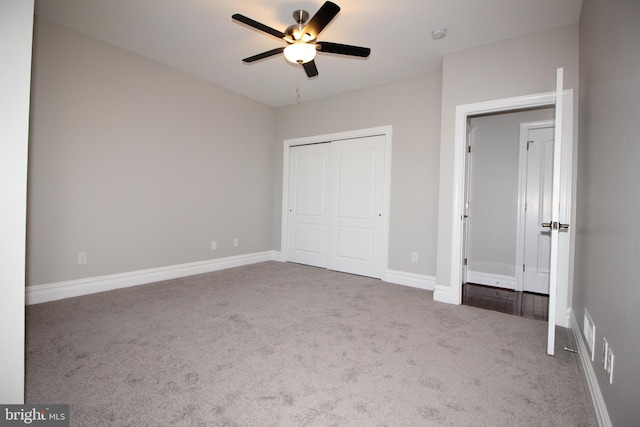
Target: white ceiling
x,y
200,38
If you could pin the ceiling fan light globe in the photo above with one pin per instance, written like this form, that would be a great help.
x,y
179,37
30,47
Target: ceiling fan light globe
x,y
300,53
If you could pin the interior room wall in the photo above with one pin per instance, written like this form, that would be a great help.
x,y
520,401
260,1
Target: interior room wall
x,y
16,30
516,67
137,164
608,238
493,190
412,107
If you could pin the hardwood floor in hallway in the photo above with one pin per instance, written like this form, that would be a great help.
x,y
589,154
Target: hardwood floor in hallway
x,y
525,304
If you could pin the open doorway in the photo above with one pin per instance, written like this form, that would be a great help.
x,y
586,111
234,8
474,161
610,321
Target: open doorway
x,y
508,180
451,267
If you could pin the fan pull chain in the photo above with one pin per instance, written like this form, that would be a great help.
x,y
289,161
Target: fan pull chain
x,y
298,82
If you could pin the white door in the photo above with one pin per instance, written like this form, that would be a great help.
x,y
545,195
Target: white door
x,y
465,213
308,226
537,239
357,195
554,222
336,202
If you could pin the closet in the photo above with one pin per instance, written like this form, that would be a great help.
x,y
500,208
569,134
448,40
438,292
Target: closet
x,y
336,205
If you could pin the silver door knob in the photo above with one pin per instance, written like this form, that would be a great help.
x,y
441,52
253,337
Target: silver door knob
x,y
555,225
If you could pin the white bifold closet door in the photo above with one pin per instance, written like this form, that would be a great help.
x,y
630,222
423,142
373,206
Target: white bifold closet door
x,y
336,199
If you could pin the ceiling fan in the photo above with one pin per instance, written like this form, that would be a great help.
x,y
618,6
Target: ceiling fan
x,y
301,38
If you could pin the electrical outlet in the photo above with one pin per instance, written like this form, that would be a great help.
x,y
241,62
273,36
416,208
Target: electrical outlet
x,y
82,258
214,245
414,256
236,242
610,359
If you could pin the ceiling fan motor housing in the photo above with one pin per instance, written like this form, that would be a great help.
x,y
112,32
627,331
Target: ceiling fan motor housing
x,y
294,33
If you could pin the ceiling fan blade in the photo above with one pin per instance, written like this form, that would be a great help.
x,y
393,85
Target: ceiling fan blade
x,y
263,55
343,49
258,26
321,19
310,68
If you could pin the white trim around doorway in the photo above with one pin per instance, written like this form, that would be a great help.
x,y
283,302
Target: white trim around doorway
x,y
453,294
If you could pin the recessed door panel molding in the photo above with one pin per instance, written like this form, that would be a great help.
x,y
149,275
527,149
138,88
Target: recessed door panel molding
x,y
355,244
356,173
335,201
311,170
309,238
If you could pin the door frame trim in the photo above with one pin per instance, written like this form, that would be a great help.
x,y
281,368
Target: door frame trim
x,y
385,131
452,293
525,127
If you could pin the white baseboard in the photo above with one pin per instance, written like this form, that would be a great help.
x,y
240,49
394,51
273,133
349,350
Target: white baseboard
x,y
279,256
413,280
590,376
564,320
55,291
444,294
490,279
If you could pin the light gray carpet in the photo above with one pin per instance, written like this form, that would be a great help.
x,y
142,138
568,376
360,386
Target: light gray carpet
x,y
276,344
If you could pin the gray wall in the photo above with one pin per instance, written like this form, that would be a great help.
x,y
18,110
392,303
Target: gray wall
x,y
493,190
142,166
412,107
520,66
137,164
608,240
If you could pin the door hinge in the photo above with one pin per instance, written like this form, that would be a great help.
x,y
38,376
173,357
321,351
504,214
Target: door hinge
x,y
466,262
468,149
529,143
523,267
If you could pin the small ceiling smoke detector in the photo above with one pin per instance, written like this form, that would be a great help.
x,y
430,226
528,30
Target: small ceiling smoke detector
x,y
439,33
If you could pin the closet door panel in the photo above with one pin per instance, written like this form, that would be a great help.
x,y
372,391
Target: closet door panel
x,y
357,190
309,204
